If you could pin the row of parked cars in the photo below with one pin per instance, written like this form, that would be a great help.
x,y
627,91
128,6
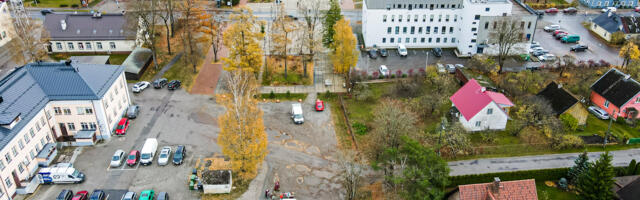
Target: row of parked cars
x,y
542,54
134,156
101,195
157,84
569,10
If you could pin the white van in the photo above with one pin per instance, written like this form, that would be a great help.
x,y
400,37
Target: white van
x,y
402,50
60,174
612,9
296,113
148,151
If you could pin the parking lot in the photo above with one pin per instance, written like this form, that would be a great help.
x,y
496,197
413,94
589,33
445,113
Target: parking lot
x,y
415,60
572,23
174,118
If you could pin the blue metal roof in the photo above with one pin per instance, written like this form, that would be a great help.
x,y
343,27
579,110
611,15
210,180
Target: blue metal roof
x,y
27,89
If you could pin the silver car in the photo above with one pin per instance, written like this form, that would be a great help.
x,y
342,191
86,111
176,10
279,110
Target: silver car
x,y
163,159
598,112
129,196
117,158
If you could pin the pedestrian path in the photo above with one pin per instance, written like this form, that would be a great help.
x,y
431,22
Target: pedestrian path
x,y
207,79
167,66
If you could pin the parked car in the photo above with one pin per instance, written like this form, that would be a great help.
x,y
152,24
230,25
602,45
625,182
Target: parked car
x,y
133,158
598,112
97,195
534,45
129,196
165,153
570,10
319,105
117,158
122,127
437,52
559,36
451,69
402,50
609,9
441,68
536,49
163,196
579,47
147,195
174,84
384,71
65,195
159,83
179,155
570,39
132,111
459,66
551,10
82,195
556,32
384,53
636,9
140,86
539,53
551,27
46,11
547,57
373,54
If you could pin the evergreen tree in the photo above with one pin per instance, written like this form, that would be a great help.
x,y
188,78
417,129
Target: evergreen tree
x,y
330,19
632,168
581,166
597,182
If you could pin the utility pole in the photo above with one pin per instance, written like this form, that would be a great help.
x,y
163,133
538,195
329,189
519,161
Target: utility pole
x,y
606,137
442,127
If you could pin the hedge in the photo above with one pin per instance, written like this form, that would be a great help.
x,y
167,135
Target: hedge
x,y
539,175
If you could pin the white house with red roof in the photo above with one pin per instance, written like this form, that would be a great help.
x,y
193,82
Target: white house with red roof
x,y
480,109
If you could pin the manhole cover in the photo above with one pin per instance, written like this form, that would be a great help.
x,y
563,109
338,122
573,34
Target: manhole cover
x,y
300,180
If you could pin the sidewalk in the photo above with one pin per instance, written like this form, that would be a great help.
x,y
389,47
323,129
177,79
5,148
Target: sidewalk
x,y
209,74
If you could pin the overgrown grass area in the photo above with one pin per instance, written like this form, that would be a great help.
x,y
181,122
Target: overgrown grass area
x,y
618,128
114,59
117,59
274,72
183,71
339,123
285,96
552,193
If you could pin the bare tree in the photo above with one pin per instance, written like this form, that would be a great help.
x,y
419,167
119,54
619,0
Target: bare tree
x,y
310,12
507,32
30,40
281,34
211,28
143,16
190,15
166,14
351,171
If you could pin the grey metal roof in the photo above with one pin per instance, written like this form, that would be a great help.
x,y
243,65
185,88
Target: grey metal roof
x,y
90,59
609,21
85,26
136,60
85,134
27,89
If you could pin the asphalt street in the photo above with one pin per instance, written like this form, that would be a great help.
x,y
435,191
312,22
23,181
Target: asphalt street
x,y
494,165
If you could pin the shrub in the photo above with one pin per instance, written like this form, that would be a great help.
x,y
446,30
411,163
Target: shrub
x,y
488,137
63,5
272,95
404,75
539,175
288,94
359,128
562,184
567,142
381,76
393,76
570,123
74,5
327,94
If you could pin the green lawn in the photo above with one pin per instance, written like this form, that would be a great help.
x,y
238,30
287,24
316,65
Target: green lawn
x,y
117,59
285,97
183,71
114,59
551,193
52,3
598,126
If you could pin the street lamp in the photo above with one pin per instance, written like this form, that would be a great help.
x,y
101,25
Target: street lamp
x,y
606,136
427,62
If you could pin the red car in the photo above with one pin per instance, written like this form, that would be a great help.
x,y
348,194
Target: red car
x,y
82,195
319,105
551,10
558,32
121,129
133,158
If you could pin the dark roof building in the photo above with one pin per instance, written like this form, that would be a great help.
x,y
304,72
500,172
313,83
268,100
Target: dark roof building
x,y
87,26
616,87
137,62
627,187
558,97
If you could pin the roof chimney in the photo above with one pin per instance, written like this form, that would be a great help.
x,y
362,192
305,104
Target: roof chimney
x,y
496,186
67,62
609,13
559,85
63,24
627,76
483,89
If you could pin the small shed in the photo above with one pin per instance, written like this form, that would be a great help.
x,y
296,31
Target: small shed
x,y
136,63
216,181
46,155
562,101
85,138
100,60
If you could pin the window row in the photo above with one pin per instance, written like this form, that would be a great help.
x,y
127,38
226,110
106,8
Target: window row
x,y
8,157
423,6
494,25
82,46
422,40
67,111
427,30
83,126
416,18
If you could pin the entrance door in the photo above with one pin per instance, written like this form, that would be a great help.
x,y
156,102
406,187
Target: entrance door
x,y
15,178
63,130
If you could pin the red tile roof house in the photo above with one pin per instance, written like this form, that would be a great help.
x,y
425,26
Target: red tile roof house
x,y
480,109
497,190
617,93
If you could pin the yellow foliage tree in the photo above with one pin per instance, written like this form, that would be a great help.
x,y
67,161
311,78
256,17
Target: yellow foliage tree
x,y
242,38
629,52
211,29
344,55
281,33
242,134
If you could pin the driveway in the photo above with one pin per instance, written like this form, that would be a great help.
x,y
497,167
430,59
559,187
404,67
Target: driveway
x,y
495,165
415,60
573,24
174,118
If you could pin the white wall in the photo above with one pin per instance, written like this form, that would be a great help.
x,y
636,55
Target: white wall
x,y
121,46
495,121
6,26
113,105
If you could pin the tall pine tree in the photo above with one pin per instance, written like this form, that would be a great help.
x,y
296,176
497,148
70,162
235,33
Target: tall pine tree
x,y
581,166
330,19
597,182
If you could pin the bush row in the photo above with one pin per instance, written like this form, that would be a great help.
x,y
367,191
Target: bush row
x,y
539,175
538,6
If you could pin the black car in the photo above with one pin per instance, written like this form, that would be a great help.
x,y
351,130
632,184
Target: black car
x,y
579,47
373,54
174,84
179,155
384,53
163,196
159,83
65,195
97,195
437,52
46,11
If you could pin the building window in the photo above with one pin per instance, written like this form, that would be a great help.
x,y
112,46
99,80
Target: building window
x,y
478,123
14,151
424,18
419,30
522,24
415,40
59,45
406,40
67,111
48,114
638,100
404,30
92,126
112,45
80,110
71,126
430,40
48,138
446,18
26,138
606,103
80,46
529,25
42,142
415,18
422,40
384,40
20,144
26,161
489,111
397,30
391,40
7,157
31,132
453,40
20,168
413,29
473,40
384,18
32,154
494,25
99,45
88,110
393,18
70,45
455,18
439,18
88,45
435,30
477,17
8,182
487,9
451,30
486,25
444,29
399,18
84,125
409,17
444,40
389,30
437,40
427,30
474,29
42,121
2,165
431,18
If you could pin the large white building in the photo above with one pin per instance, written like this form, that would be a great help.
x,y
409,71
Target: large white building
x,y
6,35
89,33
464,25
43,103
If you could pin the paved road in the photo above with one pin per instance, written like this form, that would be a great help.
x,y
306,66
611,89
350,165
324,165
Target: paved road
x,y
493,165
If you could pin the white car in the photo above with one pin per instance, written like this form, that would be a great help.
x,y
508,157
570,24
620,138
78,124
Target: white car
x,y
551,28
451,68
117,158
534,49
384,70
547,57
612,9
138,87
441,68
165,153
459,66
402,50
598,112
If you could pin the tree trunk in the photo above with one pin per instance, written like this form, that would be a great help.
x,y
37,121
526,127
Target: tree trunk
x,y
155,60
168,38
304,66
